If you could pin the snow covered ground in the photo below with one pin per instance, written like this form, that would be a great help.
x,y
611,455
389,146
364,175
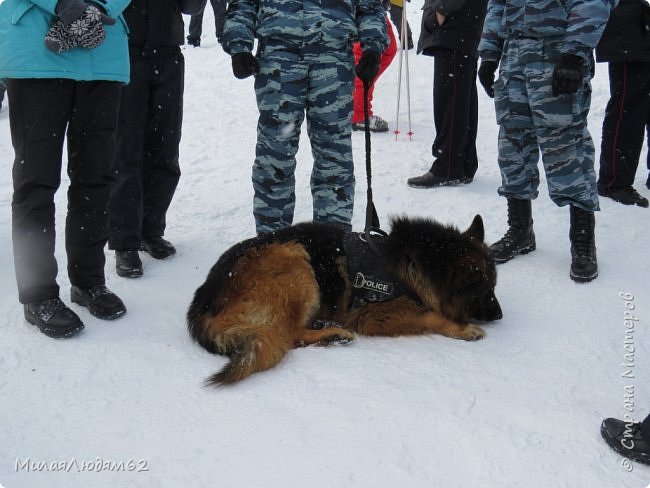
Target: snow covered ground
x,y
122,404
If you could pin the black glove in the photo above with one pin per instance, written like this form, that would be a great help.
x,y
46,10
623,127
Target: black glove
x,y
368,66
486,76
567,74
86,31
244,65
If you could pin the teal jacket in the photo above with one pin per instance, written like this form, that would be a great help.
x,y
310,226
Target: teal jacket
x,y
23,25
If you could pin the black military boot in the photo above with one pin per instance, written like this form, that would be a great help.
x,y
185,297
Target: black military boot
x,y
584,265
519,238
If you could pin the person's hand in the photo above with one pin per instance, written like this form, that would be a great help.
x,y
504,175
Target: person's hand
x,y
244,65
70,11
368,66
86,31
486,76
567,75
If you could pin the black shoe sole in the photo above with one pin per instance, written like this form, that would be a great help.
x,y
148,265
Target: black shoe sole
x,y
53,333
582,278
131,273
524,250
455,182
80,300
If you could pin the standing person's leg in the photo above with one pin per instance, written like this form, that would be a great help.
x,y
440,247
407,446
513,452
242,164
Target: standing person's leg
x,y
471,156
377,124
647,182
623,132
518,156
195,29
91,145
38,123
454,82
329,105
219,9
568,155
125,207
281,90
161,170
647,141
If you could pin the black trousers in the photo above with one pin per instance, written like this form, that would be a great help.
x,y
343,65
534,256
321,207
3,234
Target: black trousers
x,y
626,117
455,114
42,110
196,21
146,167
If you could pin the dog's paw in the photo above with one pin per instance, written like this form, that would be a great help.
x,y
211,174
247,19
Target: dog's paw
x,y
325,324
471,333
339,338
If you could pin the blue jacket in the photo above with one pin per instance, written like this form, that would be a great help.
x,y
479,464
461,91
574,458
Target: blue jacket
x,y
578,24
23,25
330,26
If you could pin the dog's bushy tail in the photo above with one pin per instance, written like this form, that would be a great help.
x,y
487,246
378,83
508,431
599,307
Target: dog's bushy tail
x,y
251,349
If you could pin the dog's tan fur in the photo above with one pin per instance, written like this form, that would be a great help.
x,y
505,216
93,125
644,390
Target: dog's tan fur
x,y
270,296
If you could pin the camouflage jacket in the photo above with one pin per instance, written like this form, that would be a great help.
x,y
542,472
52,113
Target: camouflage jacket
x,y
577,23
330,25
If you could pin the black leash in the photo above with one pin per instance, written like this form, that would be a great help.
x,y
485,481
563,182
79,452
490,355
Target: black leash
x,y
372,219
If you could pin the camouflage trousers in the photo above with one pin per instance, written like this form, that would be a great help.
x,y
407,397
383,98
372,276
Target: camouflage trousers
x,y
531,120
289,86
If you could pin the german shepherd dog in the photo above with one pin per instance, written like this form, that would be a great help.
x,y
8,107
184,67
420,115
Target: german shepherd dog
x,y
294,287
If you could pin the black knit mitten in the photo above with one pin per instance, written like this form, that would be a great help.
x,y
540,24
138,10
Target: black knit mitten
x,y
86,31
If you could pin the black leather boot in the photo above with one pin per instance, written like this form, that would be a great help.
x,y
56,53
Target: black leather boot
x,y
584,265
99,300
53,318
128,264
158,247
519,238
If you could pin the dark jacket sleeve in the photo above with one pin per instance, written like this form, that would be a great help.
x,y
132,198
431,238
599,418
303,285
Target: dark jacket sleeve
x,y
446,7
627,34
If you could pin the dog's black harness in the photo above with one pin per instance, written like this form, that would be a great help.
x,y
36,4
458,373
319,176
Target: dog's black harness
x,y
368,269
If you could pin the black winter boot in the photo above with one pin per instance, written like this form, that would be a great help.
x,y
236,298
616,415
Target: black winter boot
x,y
128,264
627,439
53,318
519,238
584,265
99,300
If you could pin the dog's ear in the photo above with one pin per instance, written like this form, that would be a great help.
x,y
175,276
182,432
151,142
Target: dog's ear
x,y
476,230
